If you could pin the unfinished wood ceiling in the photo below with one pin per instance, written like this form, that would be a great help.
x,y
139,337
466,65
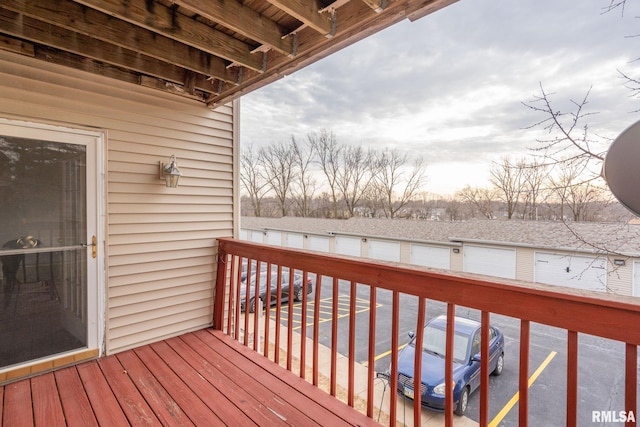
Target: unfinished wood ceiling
x,y
210,50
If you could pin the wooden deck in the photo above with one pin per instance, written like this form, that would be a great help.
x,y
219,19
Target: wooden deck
x,y
203,378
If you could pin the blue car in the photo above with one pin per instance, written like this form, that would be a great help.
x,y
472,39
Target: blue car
x,y
466,358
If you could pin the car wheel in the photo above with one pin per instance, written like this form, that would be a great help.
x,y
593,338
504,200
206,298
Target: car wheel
x,y
463,402
252,305
499,365
298,295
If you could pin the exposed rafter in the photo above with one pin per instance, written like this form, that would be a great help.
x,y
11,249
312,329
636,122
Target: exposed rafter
x,y
212,51
308,12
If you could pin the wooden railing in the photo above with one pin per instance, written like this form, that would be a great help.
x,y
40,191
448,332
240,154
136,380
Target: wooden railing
x,y
577,312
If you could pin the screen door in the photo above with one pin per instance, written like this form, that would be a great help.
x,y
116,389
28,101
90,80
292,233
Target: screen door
x,y
48,242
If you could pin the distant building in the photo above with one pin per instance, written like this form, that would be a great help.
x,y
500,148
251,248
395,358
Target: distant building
x,y
602,257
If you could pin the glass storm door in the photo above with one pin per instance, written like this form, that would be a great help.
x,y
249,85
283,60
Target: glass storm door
x,y
48,242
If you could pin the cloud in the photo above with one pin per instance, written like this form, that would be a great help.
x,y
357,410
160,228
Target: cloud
x,y
451,86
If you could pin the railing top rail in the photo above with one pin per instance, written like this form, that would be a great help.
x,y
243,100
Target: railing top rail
x,y
605,315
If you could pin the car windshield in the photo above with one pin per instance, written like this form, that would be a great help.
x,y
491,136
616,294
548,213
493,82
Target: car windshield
x,y
435,340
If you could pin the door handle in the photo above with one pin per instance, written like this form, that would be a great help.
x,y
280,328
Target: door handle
x,y
94,246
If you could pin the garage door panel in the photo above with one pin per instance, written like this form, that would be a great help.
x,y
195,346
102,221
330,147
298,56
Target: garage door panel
x,y
491,261
431,256
348,246
581,272
386,251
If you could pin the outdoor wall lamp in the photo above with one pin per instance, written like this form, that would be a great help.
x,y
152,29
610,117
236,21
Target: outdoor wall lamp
x,y
170,173
456,250
618,262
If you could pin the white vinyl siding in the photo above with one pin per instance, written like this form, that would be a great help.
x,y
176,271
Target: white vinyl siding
x,y
431,256
581,272
346,245
160,242
491,261
384,250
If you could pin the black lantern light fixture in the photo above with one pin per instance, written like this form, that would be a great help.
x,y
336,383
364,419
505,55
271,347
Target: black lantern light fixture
x,y
170,172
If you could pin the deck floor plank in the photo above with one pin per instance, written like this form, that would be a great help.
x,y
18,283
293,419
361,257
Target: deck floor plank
x,y
202,387
159,399
317,405
280,399
256,408
17,409
47,408
202,378
196,410
75,403
133,404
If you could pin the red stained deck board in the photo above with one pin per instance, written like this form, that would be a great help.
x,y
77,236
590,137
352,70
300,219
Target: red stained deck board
x,y
166,409
197,411
201,386
201,378
133,404
17,410
77,408
256,408
311,398
47,408
104,402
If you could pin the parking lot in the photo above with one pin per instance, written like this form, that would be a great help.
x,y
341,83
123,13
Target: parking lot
x,y
601,362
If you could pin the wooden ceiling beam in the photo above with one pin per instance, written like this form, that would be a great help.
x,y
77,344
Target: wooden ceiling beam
x,y
308,12
27,28
167,22
77,18
355,21
376,5
241,19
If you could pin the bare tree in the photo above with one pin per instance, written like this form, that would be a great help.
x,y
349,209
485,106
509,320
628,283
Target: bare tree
x,y
534,175
278,162
576,194
252,178
354,175
481,199
396,184
506,177
328,153
305,185
570,140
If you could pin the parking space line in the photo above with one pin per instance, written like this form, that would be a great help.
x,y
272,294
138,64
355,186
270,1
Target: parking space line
x,y
503,413
381,355
362,305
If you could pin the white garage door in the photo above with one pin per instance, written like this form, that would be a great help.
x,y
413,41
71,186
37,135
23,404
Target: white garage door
x,y
318,243
582,272
490,261
387,251
256,236
274,238
295,241
348,246
636,279
430,256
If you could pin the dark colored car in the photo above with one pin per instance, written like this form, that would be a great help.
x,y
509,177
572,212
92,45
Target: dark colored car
x,y
284,287
466,361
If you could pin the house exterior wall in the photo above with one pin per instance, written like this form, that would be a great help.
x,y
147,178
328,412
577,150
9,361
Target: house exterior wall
x,y
160,243
524,264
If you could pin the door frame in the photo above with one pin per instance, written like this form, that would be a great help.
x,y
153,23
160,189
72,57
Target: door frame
x,y
94,140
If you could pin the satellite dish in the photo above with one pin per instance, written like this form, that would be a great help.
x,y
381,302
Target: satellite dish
x,y
621,168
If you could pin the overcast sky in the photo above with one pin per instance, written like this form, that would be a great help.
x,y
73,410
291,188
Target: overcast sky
x,y
450,86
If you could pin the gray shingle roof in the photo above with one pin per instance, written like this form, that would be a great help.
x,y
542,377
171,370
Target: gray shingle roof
x,y
620,238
